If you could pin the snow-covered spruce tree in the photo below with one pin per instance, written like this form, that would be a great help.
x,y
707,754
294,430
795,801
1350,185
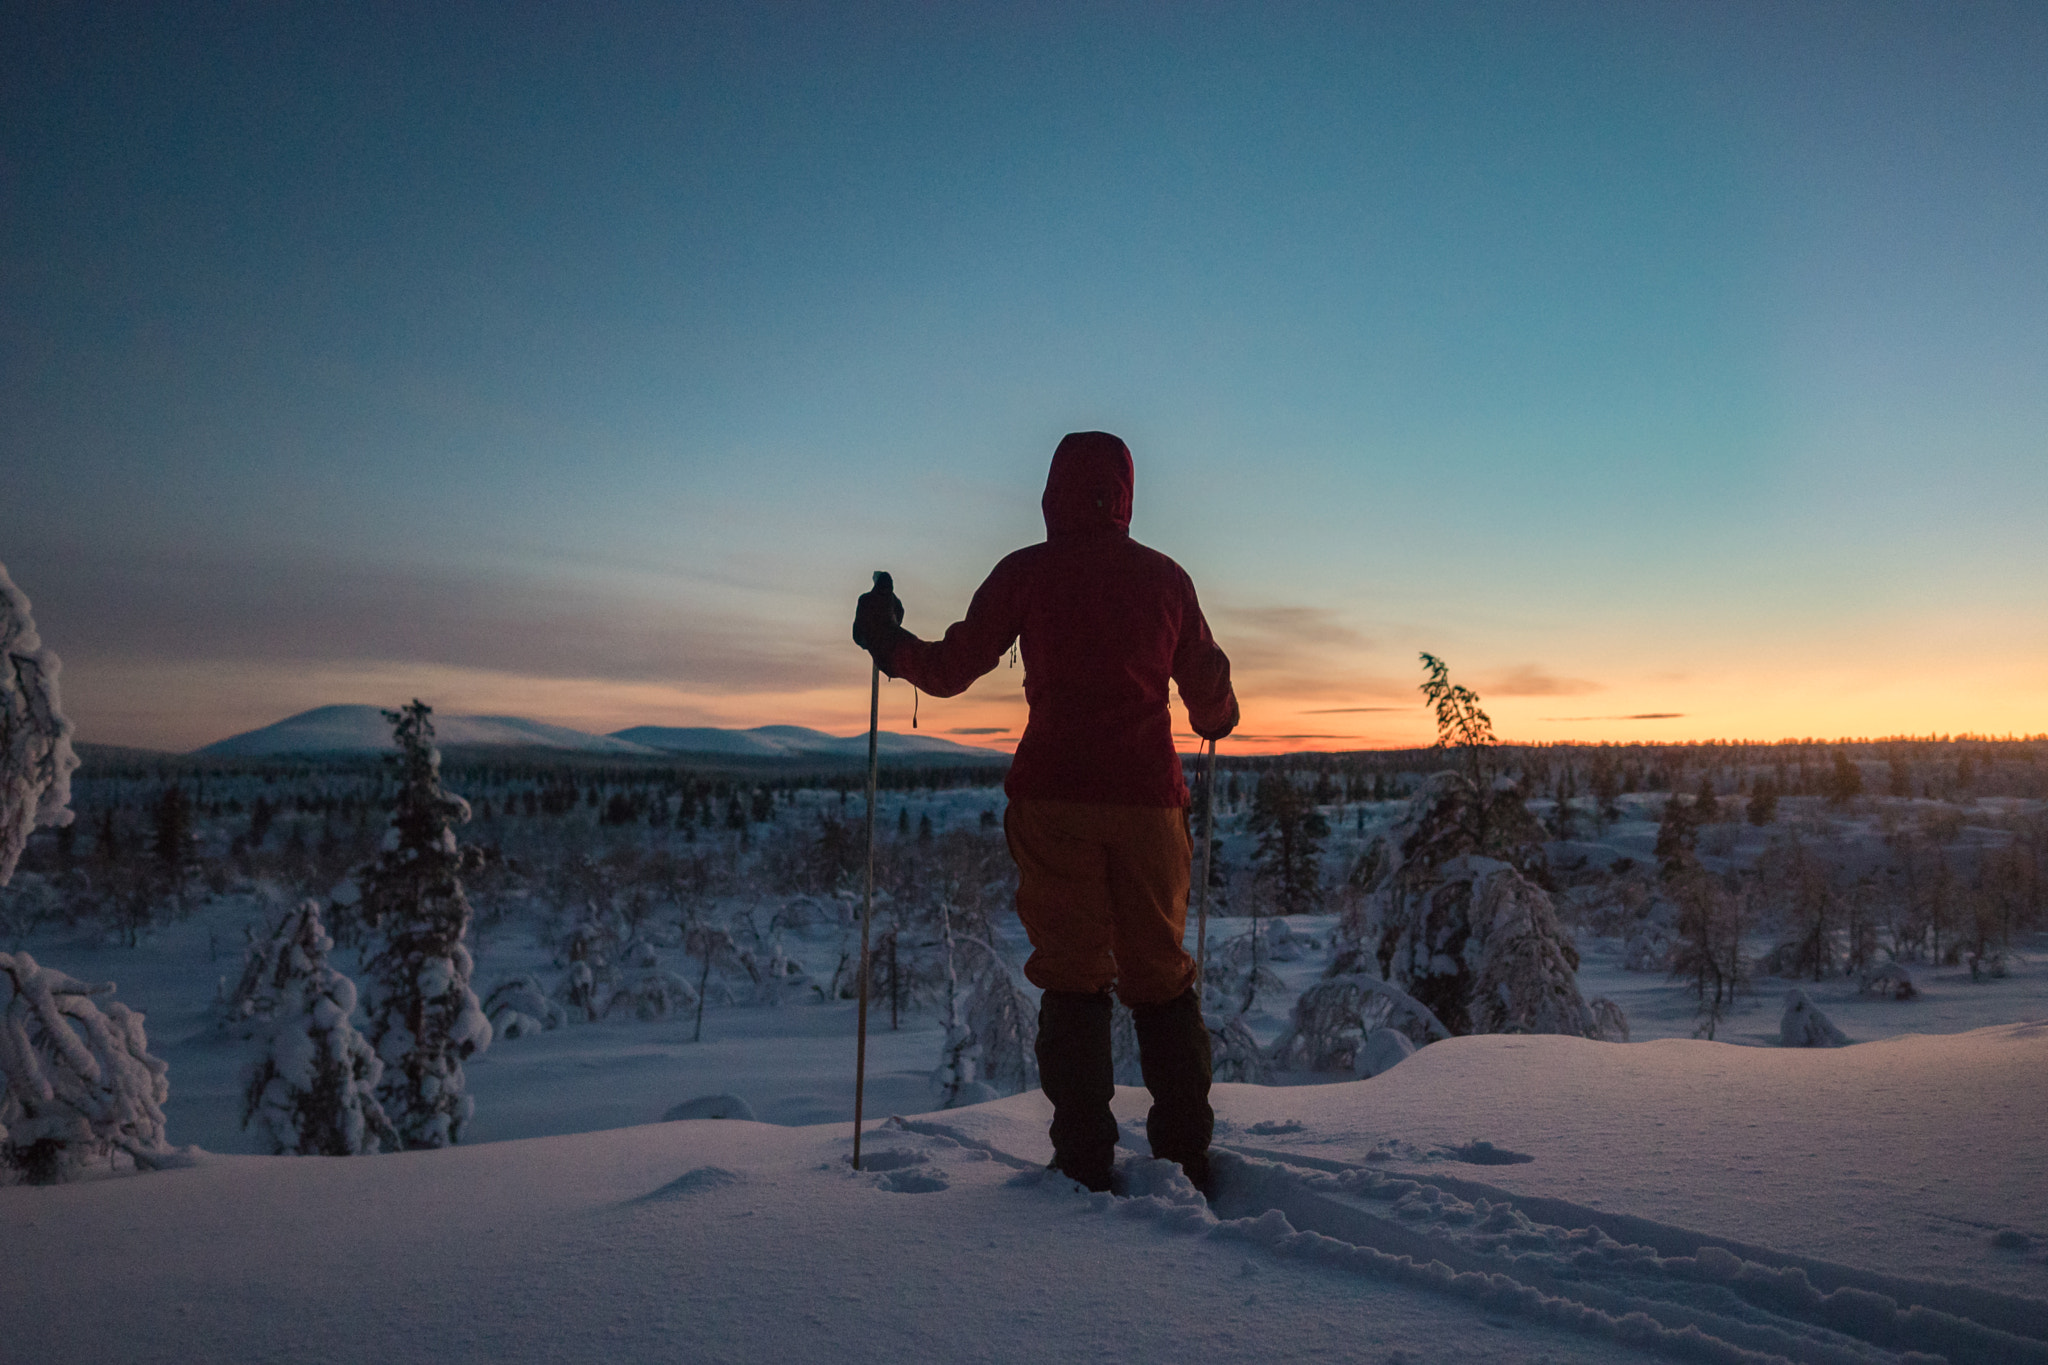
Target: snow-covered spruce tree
x,y
36,761
1287,865
77,1083
424,1018
587,954
313,1092
1455,911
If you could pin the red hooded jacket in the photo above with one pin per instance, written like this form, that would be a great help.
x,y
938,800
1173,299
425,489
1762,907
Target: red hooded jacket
x,y
1104,622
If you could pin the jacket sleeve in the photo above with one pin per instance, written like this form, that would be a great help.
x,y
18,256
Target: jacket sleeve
x,y
1202,671
948,666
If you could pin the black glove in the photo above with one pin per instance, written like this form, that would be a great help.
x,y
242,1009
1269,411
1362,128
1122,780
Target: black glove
x,y
1219,731
878,618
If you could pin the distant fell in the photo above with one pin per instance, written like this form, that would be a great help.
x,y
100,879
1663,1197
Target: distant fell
x,y
797,741
363,729
357,729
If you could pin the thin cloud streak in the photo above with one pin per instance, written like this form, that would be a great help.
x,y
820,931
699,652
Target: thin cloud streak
x,y
1531,681
1352,710
1283,651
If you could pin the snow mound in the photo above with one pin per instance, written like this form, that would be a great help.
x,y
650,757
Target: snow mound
x,y
711,1107
692,1182
1804,1025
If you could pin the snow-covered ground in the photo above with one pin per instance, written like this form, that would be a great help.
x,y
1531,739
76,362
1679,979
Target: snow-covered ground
x,y
1490,1199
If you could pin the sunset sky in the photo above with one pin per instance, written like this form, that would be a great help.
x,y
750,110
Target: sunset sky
x,y
1673,370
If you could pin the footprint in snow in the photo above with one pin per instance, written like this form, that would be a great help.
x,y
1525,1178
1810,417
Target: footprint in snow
x,y
891,1159
904,1171
1484,1154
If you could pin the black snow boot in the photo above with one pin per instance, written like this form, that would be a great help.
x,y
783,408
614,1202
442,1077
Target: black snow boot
x,y
1173,1045
1078,1076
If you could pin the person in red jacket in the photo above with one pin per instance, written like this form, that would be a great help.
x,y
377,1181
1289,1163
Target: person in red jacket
x,y
1097,813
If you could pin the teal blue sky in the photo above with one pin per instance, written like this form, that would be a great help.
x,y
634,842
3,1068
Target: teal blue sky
x,y
1644,360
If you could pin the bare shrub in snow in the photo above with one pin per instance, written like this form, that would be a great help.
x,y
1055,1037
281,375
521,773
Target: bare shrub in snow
x,y
1239,978
77,1083
991,1025
425,1020
1803,1025
1810,910
1235,1055
36,760
1708,953
314,1090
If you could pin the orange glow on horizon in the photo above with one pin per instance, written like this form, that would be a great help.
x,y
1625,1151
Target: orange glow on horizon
x,y
185,706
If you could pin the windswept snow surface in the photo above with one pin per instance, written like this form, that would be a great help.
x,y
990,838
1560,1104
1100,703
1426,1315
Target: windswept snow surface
x,y
1502,1199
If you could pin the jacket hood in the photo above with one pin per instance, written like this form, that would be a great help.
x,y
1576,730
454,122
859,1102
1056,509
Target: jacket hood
x,y
1089,488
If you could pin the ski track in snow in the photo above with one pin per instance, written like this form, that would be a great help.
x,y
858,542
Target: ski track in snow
x,y
1663,1290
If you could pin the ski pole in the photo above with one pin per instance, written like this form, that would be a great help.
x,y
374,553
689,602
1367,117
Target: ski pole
x,y
1202,895
867,899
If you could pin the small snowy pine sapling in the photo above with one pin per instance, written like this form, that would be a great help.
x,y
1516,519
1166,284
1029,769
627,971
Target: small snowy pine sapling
x,y
36,760
1803,1025
587,957
520,1005
425,1020
313,1092
647,988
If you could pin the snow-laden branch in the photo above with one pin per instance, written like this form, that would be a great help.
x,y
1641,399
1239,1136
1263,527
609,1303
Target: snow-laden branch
x,y
36,760
76,1081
